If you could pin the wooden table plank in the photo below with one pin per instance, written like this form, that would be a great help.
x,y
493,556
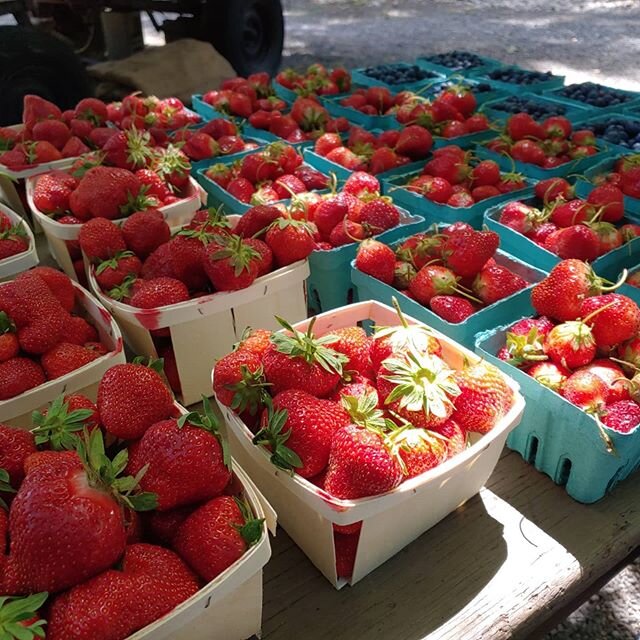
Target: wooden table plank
x,y
496,568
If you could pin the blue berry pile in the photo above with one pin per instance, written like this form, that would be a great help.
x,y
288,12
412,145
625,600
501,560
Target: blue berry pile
x,y
596,95
618,130
538,110
520,76
398,73
456,60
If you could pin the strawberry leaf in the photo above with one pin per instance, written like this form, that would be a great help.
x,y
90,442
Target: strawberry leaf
x,y
16,610
274,439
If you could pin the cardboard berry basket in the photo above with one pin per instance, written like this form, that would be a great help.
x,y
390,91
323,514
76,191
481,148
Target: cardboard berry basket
x,y
608,265
633,101
579,165
560,439
553,82
435,212
57,235
572,112
389,521
14,265
488,64
206,328
584,185
512,307
329,284
17,411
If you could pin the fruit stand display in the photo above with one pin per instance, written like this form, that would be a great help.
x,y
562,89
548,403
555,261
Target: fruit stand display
x,y
421,209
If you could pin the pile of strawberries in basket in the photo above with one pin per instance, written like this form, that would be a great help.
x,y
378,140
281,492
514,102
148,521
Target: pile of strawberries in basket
x,y
49,134
13,238
122,534
357,415
625,175
452,271
572,227
585,345
42,333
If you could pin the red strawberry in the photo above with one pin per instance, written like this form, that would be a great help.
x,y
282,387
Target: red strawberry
x,y
36,109
18,375
451,308
93,110
553,188
420,450
159,292
354,343
611,200
131,398
622,416
415,142
101,239
65,358
15,446
145,231
613,376
577,241
617,323
377,260
112,273
378,216
53,131
256,220
232,266
290,240
155,186
466,253
522,125
433,280
52,192
173,166
241,189
571,344
495,282
129,149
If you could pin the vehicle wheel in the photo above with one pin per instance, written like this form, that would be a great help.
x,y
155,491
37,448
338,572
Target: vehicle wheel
x,y
32,61
248,33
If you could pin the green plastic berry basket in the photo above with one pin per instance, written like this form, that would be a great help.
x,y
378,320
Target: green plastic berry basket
x,y
590,119
633,101
359,77
512,87
488,64
571,112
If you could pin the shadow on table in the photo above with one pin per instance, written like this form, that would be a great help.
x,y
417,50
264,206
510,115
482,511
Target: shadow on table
x,y
408,597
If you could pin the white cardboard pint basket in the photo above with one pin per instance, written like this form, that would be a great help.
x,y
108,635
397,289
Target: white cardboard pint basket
x,y
17,411
14,265
389,521
176,215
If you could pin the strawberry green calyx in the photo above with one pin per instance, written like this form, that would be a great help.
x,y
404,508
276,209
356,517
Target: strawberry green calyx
x,y
283,223
112,263
16,231
5,487
6,324
59,427
94,159
407,436
205,234
139,151
524,349
123,290
171,160
238,252
105,474
251,392
271,436
423,382
19,617
364,412
309,347
139,202
208,421
157,364
251,530
217,218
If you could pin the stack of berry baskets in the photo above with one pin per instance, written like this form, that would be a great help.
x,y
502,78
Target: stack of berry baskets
x,y
551,224
458,63
273,174
187,533
190,297
514,79
452,278
539,107
582,423
103,187
454,186
545,149
621,171
65,345
17,244
347,513
599,98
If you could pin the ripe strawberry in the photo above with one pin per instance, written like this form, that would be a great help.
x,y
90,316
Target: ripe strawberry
x,y
414,141
528,151
522,125
216,535
59,284
36,109
451,308
65,358
232,266
613,376
553,188
93,110
52,192
55,132
571,344
18,375
13,241
159,292
354,343
131,398
361,464
241,189
255,340
360,183
549,374
145,231
419,450
155,186
486,172
495,282
467,252
433,280
9,345
302,361
519,216
173,167
449,167
622,416
101,239
15,446
377,260
585,390
149,583
484,397
611,200
617,323
111,273
290,240
378,216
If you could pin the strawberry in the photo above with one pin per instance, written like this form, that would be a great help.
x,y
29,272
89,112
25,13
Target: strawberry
x,y
288,185
9,345
617,320
415,142
302,361
52,192
93,110
419,450
360,183
549,374
451,308
418,387
361,464
377,260
59,284
528,151
613,376
586,391
611,200
111,273
265,255
216,535
522,125
290,240
495,282
256,221
184,458
145,231
566,214
433,280
484,397
571,344
65,358
241,189
347,232
101,239
55,132
467,252
187,255
403,273
201,146
486,172
149,583
330,213
36,109
255,340
232,266
159,292
72,498
309,114
622,416
449,167
18,375
131,398
553,188
378,216
130,149
15,446
354,343
155,186
577,241
311,178
172,166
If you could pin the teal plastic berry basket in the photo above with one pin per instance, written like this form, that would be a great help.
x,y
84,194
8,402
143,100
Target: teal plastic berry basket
x,y
483,90
487,64
335,109
197,165
573,113
591,120
511,87
558,438
583,187
633,101
609,265
329,286
580,165
506,310
359,77
435,212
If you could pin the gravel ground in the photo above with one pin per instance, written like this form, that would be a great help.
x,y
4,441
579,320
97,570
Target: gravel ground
x,y
584,40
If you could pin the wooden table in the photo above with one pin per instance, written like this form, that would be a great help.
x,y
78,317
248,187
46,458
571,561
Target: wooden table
x,y
498,568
